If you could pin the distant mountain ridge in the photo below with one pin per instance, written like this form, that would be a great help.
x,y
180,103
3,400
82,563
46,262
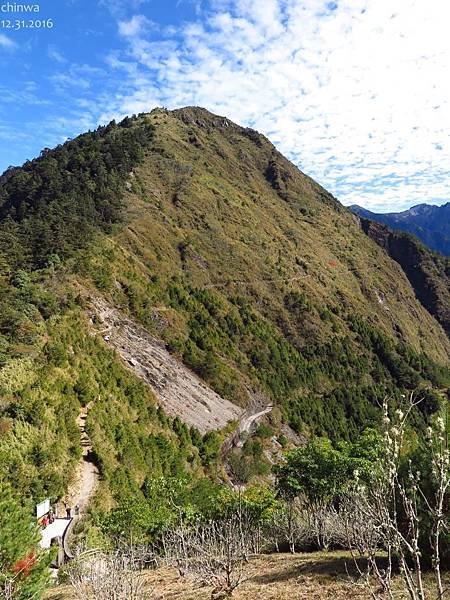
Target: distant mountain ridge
x,y
430,223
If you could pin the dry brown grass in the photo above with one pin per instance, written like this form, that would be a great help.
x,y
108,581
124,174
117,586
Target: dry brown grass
x,y
314,576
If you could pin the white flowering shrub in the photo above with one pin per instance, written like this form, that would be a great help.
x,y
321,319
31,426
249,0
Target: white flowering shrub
x,y
402,510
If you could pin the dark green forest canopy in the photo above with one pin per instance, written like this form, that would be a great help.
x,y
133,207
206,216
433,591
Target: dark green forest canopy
x,y
52,205
356,381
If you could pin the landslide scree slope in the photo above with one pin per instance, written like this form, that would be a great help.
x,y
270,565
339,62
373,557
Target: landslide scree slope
x,y
264,281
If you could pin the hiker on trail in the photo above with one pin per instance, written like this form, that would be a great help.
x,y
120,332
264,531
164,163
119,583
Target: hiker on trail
x,y
44,522
69,512
51,516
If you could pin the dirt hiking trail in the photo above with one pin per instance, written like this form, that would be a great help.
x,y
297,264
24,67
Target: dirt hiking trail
x,y
86,477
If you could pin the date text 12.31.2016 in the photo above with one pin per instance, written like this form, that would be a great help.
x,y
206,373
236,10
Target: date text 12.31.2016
x,y
16,24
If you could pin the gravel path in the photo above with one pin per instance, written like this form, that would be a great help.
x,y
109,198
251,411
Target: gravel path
x,y
247,423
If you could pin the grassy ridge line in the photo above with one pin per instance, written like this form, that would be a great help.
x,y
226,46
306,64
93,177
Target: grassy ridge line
x,y
228,220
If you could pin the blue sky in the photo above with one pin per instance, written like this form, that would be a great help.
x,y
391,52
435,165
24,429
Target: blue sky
x,y
355,92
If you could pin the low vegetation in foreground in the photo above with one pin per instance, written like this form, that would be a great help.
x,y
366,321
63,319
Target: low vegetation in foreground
x,y
380,503
303,576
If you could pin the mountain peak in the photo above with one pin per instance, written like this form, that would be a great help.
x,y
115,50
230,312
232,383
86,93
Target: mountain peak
x,y
180,232
202,117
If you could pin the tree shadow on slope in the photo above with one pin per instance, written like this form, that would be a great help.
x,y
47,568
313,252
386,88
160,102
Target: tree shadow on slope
x,y
327,566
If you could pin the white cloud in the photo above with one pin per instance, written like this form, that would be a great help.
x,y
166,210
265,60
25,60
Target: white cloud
x,y
355,92
137,25
54,54
7,43
120,7
75,77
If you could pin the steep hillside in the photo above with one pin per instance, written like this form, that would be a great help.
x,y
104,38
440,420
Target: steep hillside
x,y
176,387
431,224
252,275
428,272
259,280
51,364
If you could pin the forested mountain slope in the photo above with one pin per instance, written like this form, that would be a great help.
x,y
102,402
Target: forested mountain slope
x,y
269,282
53,211
251,273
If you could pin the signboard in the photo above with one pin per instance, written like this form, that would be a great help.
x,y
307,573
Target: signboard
x,y
42,508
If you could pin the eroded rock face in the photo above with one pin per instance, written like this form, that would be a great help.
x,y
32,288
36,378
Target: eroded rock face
x,y
428,273
179,391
